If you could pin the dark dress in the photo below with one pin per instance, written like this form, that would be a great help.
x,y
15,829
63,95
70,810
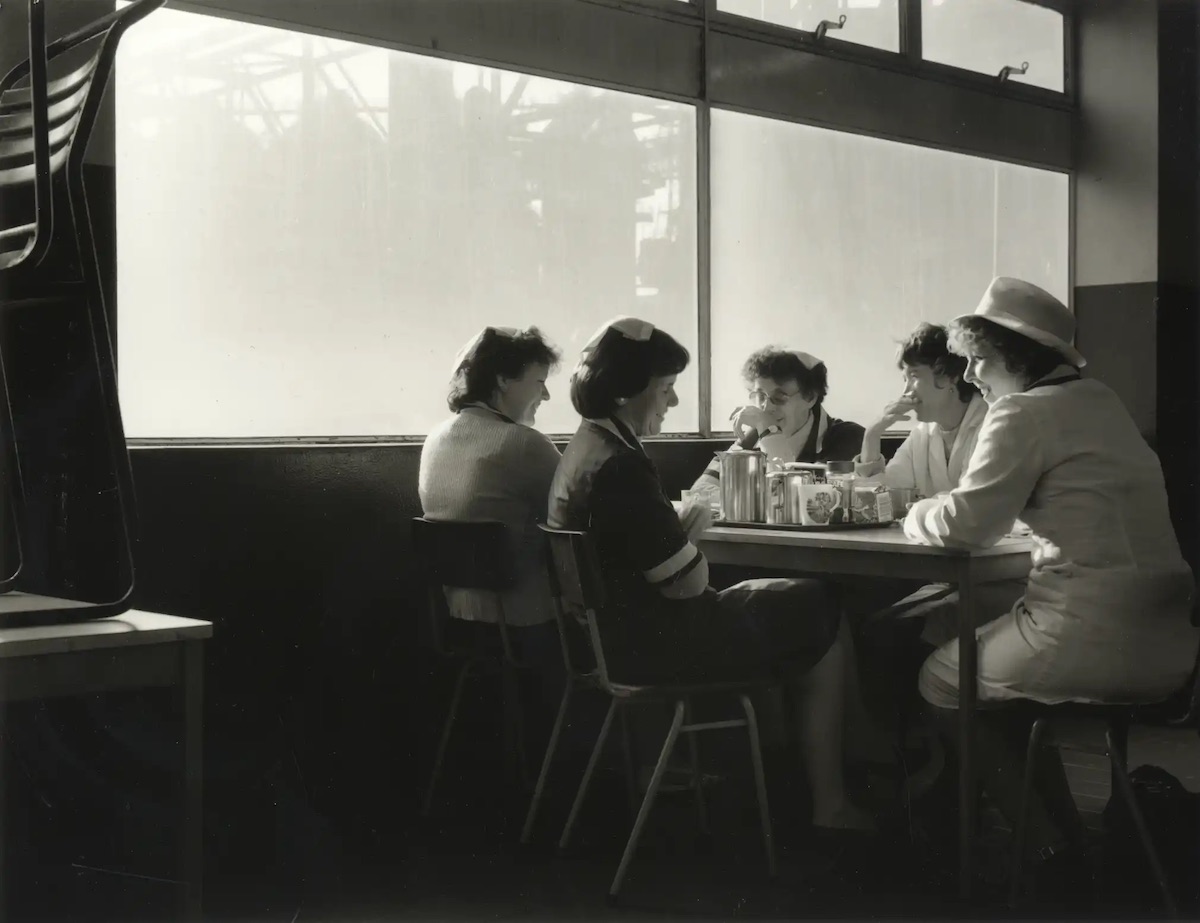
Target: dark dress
x,y
608,487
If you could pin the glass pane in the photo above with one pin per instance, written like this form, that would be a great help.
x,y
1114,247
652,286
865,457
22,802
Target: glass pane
x,y
987,35
308,229
872,237
868,22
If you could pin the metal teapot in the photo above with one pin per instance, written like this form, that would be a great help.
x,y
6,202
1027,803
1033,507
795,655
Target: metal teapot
x,y
743,485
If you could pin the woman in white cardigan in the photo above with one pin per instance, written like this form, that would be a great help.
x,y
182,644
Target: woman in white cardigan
x,y
948,412
1105,616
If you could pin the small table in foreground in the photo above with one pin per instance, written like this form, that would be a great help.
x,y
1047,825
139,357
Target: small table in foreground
x,y
887,552
129,651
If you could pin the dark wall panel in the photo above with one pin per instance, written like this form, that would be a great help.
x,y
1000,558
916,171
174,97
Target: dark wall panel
x,y
593,41
301,558
1118,335
753,74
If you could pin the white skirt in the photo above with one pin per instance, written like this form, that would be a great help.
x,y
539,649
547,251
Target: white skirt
x,y
1051,658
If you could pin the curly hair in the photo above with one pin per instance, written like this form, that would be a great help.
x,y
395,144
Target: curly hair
x,y
782,365
497,353
1022,356
929,345
619,366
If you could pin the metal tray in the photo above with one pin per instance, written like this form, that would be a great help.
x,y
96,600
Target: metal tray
x,y
794,527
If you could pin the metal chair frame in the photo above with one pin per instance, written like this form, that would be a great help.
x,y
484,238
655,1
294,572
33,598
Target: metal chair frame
x,y
577,587
492,576
1115,749
45,128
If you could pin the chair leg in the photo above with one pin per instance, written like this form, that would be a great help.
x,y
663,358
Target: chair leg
x,y
1118,748
514,727
551,749
630,764
1021,826
760,784
519,728
587,775
1117,761
697,786
660,769
459,682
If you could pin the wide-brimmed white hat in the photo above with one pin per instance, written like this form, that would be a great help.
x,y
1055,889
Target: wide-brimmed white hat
x,y
1033,312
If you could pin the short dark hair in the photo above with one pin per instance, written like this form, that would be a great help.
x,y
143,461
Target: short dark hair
x,y
781,365
1026,358
497,353
929,345
619,366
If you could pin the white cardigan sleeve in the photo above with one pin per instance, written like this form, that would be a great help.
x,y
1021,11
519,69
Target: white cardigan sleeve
x,y
999,480
898,471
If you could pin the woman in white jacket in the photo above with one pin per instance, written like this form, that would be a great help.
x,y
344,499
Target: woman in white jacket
x,y
1105,616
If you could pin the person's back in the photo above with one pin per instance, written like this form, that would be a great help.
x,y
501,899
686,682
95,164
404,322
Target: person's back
x,y
1101,512
476,466
488,463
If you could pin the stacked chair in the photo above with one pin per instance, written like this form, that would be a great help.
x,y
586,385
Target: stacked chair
x,y
69,516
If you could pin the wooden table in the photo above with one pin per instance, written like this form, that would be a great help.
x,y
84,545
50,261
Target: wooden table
x,y
889,553
129,651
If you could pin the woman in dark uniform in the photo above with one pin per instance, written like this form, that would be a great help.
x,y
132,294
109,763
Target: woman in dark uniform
x,y
664,623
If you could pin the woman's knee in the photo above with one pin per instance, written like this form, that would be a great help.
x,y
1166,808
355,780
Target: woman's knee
x,y
938,682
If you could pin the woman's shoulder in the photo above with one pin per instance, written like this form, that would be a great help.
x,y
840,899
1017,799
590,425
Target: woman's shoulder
x,y
843,439
531,438
844,428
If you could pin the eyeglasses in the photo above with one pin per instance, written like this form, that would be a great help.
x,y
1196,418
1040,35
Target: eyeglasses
x,y
775,398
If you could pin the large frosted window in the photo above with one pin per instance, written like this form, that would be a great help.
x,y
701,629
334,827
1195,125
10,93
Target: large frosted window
x,y
987,35
840,244
309,229
868,22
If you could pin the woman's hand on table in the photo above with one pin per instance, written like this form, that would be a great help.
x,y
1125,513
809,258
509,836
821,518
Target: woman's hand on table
x,y
695,515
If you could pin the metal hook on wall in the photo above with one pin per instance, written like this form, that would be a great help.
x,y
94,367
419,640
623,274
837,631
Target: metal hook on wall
x,y
826,24
1008,70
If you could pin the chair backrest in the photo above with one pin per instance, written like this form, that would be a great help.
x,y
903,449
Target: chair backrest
x,y
578,587
475,555
48,124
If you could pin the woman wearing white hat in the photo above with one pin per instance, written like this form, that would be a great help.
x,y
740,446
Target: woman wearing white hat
x,y
1106,612
787,417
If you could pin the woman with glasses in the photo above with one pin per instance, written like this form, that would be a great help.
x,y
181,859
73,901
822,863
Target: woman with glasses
x,y
488,462
786,416
663,623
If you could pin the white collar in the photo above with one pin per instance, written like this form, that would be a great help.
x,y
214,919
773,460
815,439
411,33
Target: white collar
x,y
615,430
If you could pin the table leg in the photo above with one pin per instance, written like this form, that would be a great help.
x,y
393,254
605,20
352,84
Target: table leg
x,y
193,770
968,693
4,751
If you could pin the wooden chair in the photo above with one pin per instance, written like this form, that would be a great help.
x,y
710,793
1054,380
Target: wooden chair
x,y
1182,710
578,586
476,556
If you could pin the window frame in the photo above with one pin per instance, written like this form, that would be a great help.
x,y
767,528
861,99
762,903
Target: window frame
x,y
694,38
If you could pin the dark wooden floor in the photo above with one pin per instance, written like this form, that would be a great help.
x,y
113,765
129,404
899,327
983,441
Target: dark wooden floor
x,y
464,863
